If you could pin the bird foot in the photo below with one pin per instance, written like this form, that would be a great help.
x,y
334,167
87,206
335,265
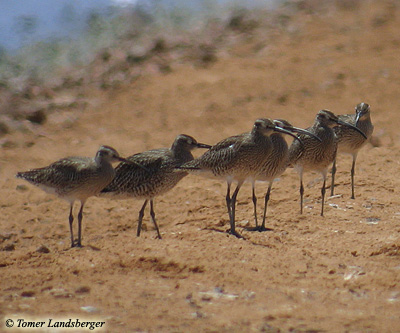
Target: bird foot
x,y
234,233
259,229
76,243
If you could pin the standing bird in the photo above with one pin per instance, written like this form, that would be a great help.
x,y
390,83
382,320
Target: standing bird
x,y
236,159
159,177
317,155
75,178
350,141
275,164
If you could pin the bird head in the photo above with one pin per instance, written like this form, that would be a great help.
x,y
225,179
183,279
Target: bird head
x,y
362,112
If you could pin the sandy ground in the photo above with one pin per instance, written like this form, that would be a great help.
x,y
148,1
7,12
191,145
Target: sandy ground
x,y
335,273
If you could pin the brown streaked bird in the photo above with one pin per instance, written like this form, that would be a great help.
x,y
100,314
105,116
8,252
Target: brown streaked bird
x,y
236,159
275,164
75,178
159,177
317,155
350,141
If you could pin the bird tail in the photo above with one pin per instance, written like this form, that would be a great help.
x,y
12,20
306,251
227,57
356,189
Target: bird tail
x,y
30,176
186,168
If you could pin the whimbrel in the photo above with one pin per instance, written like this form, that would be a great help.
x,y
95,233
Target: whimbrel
x,y
236,159
159,177
75,178
317,155
275,164
350,141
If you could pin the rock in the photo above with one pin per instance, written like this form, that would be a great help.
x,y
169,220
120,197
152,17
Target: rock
x,y
29,293
8,144
9,247
82,290
21,188
4,129
60,293
89,309
43,249
37,117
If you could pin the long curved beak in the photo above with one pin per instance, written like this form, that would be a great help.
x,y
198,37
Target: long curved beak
x,y
353,127
357,118
132,163
283,130
303,131
203,145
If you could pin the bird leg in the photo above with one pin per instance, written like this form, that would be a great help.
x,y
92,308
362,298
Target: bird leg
x,y
141,214
228,200
233,210
262,226
323,195
301,194
71,220
353,167
267,195
80,215
333,177
153,218
254,203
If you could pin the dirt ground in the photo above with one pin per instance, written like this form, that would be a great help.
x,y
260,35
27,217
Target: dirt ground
x,y
335,273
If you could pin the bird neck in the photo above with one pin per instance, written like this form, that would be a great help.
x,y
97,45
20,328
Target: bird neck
x,y
365,119
181,153
278,141
318,126
322,130
365,125
257,136
101,162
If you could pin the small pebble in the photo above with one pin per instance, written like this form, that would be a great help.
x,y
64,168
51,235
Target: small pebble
x,y
371,220
82,290
60,293
28,293
89,309
8,144
43,249
9,247
22,188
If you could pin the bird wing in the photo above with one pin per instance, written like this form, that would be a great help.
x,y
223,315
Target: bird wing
x,y
297,148
131,175
60,174
220,156
348,118
228,142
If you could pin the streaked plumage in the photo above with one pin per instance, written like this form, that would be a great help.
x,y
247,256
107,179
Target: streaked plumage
x,y
159,177
75,178
236,159
351,141
275,164
316,155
